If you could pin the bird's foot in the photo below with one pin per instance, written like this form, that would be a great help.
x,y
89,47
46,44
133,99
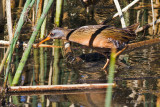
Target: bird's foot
x,y
104,69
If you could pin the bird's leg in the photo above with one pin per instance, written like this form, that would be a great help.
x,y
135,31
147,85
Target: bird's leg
x,y
69,54
105,66
119,52
107,62
67,47
68,51
119,62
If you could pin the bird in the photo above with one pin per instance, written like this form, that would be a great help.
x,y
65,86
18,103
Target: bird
x,y
102,38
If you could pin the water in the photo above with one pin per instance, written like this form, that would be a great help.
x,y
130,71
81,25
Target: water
x,y
137,82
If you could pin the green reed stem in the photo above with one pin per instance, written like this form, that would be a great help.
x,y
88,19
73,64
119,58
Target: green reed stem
x,y
44,22
110,78
59,5
26,8
37,6
27,50
42,70
56,68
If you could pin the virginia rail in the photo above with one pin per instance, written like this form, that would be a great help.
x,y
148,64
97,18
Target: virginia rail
x,y
99,37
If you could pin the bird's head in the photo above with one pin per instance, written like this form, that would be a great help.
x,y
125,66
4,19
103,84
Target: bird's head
x,y
54,34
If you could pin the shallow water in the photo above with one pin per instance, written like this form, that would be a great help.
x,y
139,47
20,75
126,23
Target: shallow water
x,y
137,82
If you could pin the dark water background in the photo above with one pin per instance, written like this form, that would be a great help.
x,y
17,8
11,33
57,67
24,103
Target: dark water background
x,y
137,85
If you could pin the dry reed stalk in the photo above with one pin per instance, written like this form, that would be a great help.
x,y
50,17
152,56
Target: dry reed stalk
x,y
6,43
9,19
42,88
120,13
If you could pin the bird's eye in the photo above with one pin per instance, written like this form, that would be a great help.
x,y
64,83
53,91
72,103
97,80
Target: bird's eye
x,y
52,34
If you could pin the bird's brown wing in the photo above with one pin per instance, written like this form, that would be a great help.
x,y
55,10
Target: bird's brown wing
x,y
86,34
100,36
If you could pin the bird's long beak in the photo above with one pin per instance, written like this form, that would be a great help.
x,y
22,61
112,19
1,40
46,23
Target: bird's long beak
x,y
46,39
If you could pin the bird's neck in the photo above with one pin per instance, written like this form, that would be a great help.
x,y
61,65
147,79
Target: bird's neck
x,y
66,33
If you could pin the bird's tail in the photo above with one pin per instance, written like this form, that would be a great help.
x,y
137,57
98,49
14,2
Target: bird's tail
x,y
133,27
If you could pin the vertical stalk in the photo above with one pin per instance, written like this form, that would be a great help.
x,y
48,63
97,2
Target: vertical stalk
x,y
27,50
3,3
34,98
17,59
123,10
37,6
20,3
41,66
110,78
9,19
42,71
126,14
36,63
17,33
36,50
33,17
56,69
13,4
4,59
9,26
40,58
41,48
120,13
39,11
59,4
50,73
45,63
153,15
44,22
